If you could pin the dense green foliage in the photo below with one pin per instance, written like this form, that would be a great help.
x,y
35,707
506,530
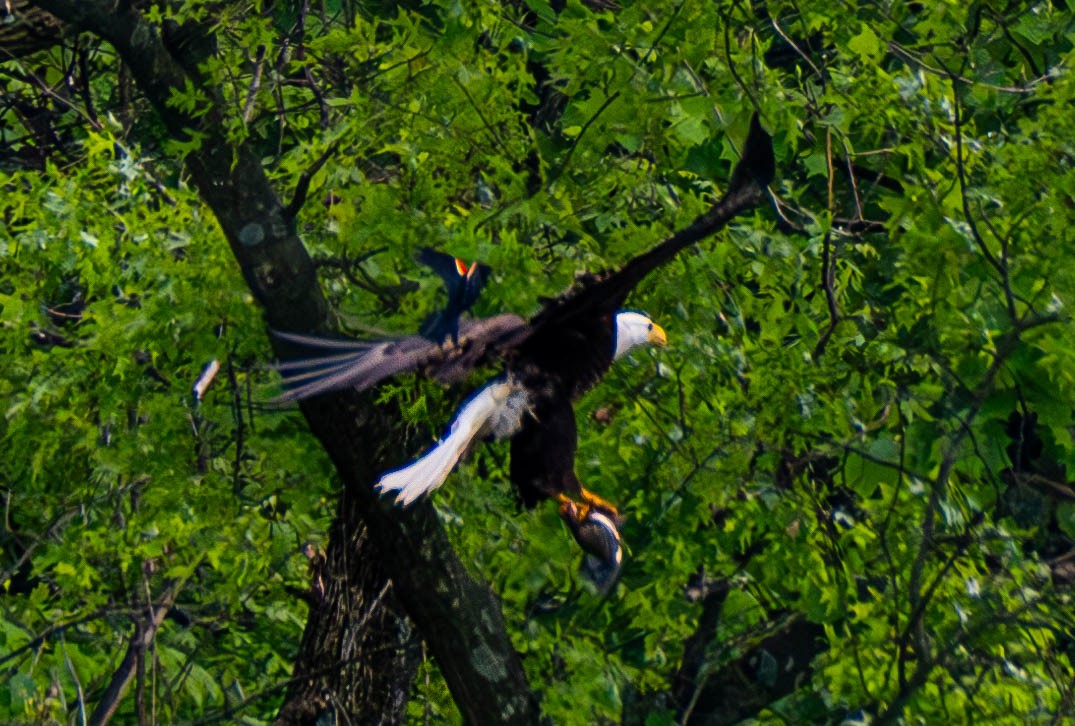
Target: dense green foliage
x,y
863,420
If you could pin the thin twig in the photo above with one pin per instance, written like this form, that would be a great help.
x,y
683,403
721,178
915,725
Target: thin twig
x,y
84,86
731,65
51,93
78,684
979,241
1002,23
302,188
387,294
886,551
255,83
851,177
300,54
910,57
797,49
828,282
240,426
38,640
481,116
562,166
1046,485
828,167
663,31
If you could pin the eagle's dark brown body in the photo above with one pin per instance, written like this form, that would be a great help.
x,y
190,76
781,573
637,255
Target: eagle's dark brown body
x,y
556,366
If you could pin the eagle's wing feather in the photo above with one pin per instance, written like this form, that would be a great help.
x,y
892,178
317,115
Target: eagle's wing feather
x,y
322,362
605,292
364,364
314,341
362,369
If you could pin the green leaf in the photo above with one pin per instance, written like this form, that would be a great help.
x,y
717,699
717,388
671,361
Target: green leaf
x,y
866,45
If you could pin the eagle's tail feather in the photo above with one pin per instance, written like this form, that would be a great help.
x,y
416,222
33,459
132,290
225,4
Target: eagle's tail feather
x,y
429,472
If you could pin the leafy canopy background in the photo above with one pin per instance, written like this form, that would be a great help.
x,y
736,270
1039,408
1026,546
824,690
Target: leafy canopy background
x,y
863,421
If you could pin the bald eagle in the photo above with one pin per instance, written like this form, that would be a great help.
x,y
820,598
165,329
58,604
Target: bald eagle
x,y
548,362
530,403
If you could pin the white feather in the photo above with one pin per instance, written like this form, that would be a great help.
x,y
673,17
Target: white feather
x,y
635,329
480,416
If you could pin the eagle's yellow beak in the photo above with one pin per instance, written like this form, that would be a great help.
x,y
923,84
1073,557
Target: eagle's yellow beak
x,y
657,336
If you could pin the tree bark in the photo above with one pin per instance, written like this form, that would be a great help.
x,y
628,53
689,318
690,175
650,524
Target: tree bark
x,y
25,29
458,617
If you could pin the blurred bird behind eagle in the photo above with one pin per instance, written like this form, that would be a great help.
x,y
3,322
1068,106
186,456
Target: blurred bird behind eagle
x,y
464,284
548,362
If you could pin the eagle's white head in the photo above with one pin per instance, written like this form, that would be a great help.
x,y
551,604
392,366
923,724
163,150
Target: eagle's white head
x,y
634,329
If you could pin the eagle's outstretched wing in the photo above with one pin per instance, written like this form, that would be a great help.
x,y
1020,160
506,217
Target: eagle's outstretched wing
x,y
362,364
603,293
354,364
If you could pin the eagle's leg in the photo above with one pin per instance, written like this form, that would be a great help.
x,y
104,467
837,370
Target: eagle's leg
x,y
565,502
599,503
589,501
594,527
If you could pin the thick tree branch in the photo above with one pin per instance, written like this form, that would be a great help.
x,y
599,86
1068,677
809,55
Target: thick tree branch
x,y
457,616
145,630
